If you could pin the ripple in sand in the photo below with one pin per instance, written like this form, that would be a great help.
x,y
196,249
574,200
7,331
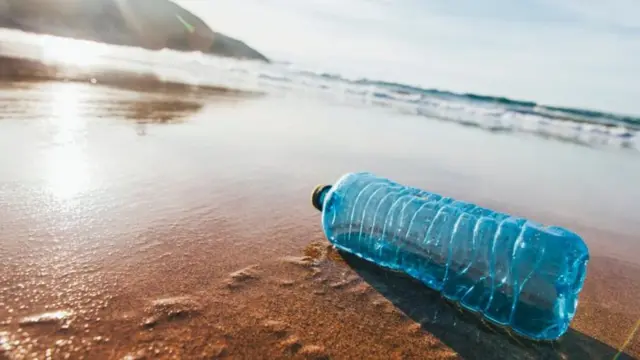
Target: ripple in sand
x,y
276,327
60,318
361,289
237,278
314,352
286,283
304,261
5,345
139,355
321,280
318,250
381,303
169,309
414,329
214,351
343,283
291,345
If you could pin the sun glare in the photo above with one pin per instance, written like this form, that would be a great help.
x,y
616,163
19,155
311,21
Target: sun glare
x,y
67,173
72,52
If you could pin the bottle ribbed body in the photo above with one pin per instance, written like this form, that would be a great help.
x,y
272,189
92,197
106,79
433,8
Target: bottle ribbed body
x,y
512,271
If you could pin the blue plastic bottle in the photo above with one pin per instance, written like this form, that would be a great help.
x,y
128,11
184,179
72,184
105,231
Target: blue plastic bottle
x,y
512,271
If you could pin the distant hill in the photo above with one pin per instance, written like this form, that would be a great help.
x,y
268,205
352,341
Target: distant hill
x,y
150,24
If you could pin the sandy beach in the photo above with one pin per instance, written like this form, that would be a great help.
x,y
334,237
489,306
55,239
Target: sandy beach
x,y
171,225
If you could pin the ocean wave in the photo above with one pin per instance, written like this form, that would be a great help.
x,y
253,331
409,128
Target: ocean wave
x,y
85,60
495,114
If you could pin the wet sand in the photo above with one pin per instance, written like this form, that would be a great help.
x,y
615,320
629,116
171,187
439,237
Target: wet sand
x,y
161,224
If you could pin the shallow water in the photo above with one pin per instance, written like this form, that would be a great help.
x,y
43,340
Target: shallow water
x,y
89,61
173,222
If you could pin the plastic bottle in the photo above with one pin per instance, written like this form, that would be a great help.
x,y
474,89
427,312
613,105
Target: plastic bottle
x,y
511,271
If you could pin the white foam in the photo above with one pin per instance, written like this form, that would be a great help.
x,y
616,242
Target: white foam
x,y
198,69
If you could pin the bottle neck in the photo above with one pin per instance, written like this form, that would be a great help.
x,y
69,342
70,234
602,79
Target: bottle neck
x,y
318,196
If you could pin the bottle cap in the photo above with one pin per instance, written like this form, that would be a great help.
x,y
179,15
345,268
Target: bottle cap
x,y
317,198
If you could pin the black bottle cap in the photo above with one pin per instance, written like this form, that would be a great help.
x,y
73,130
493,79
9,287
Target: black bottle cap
x,y
317,198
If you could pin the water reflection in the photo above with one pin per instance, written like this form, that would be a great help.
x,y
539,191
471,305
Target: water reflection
x,y
65,114
67,168
160,110
154,112
69,105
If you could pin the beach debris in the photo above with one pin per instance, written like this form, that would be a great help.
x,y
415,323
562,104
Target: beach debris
x,y
514,237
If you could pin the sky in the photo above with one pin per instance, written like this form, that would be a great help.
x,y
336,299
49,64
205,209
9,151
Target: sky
x,y
577,53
